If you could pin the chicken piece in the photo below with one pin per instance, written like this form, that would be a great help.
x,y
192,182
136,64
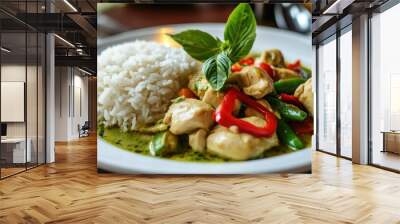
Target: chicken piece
x,y
273,57
284,73
250,112
213,97
254,81
305,95
198,84
188,115
197,140
229,143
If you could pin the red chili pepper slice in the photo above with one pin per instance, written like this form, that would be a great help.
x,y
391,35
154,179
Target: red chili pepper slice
x,y
223,116
266,67
236,68
295,66
290,99
303,127
247,61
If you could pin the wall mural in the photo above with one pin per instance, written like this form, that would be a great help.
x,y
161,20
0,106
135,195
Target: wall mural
x,y
233,97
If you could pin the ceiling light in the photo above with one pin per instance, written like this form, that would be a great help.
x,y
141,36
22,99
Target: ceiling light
x,y
79,51
84,71
65,41
5,50
70,5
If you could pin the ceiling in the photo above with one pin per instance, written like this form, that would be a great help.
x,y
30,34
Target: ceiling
x,y
74,22
332,15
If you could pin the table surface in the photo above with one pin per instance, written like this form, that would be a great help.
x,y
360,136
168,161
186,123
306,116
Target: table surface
x,y
13,140
391,132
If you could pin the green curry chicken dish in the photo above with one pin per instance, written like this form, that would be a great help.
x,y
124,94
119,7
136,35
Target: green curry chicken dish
x,y
255,112
240,106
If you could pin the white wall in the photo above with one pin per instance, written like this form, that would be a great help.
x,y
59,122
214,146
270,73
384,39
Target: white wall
x,y
80,110
70,83
61,103
14,73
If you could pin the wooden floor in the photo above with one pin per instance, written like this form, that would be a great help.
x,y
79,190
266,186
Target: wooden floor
x,y
10,171
71,191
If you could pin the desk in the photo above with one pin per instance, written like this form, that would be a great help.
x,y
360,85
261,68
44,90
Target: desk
x,y
391,141
16,147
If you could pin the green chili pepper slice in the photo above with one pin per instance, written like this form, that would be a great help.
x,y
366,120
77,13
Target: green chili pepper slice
x,y
287,111
288,85
287,136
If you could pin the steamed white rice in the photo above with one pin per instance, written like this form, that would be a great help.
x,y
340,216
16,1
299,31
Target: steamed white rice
x,y
137,80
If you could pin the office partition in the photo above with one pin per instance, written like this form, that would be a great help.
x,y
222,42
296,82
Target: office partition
x,y
22,77
15,149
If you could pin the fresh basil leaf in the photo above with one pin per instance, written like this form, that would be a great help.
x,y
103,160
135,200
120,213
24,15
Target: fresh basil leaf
x,y
198,44
216,70
240,31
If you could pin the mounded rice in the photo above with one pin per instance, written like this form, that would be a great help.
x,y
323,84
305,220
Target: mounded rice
x,y
137,80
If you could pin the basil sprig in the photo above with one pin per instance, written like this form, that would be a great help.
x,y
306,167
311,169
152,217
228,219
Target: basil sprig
x,y
240,31
216,70
198,44
218,56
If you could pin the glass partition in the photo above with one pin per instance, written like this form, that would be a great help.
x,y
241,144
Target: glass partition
x,y
22,100
13,94
327,97
385,89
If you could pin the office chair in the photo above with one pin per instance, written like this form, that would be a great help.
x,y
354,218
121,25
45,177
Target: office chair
x,y
84,130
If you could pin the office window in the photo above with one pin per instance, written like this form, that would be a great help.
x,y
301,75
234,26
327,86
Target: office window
x,y
346,94
385,89
327,97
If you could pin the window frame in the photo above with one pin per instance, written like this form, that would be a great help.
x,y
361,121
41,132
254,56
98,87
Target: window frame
x,y
334,37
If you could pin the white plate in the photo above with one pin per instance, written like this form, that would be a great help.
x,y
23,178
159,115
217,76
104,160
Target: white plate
x,y
294,46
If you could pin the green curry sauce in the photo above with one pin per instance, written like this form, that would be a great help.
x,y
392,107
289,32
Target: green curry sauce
x,y
138,143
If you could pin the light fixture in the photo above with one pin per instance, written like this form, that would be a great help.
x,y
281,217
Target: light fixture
x,y
64,40
79,51
5,50
84,71
70,5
